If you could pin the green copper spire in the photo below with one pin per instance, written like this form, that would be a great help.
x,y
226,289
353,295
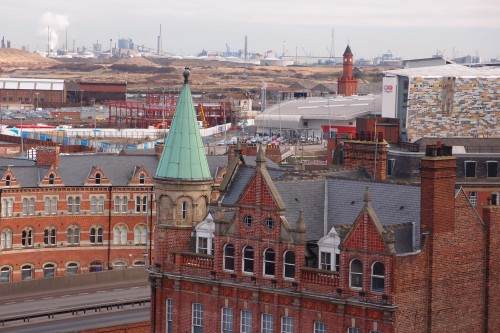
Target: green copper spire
x,y
183,154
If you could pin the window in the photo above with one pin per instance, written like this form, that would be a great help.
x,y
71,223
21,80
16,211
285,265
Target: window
x,y
95,266
391,162
97,205
27,272
49,236
72,268
74,205
197,318
170,315
286,325
492,169
119,265
269,262
378,277
202,245
6,239
141,204
28,206
473,198
98,178
319,327
52,178
227,320
289,265
142,178
325,261
5,274
246,321
139,263
50,205
7,207
96,235
120,234
228,257
184,210
140,234
269,223
267,323
73,235
49,271
247,220
495,199
124,204
353,330
248,259
356,274
337,262
93,205
7,181
121,204
470,169
27,237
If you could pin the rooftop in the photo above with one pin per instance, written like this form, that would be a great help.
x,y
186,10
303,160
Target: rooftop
x,y
31,84
453,70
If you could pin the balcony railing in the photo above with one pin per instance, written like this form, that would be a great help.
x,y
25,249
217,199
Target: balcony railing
x,y
319,276
196,260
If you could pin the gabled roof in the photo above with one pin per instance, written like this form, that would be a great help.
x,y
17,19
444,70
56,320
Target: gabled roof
x,y
184,156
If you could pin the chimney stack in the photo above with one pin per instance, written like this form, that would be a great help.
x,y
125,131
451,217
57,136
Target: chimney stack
x,y
437,192
47,156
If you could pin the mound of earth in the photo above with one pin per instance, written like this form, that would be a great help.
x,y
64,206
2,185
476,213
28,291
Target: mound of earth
x,y
136,61
14,58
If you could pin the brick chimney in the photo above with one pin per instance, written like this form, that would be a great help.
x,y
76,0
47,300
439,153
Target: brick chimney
x,y
368,154
47,156
437,192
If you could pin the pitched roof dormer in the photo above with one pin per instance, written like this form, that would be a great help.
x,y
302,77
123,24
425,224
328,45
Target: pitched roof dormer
x,y
141,177
367,234
9,179
51,177
96,177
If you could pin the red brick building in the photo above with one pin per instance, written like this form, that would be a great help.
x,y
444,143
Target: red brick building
x,y
347,84
328,255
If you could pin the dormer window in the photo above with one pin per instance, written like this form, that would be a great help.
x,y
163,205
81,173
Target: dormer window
x,y
142,178
52,178
98,178
7,181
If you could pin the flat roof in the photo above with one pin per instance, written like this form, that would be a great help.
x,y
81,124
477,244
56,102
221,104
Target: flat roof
x,y
453,70
12,83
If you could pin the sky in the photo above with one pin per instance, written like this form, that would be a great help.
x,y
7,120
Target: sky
x,y
409,29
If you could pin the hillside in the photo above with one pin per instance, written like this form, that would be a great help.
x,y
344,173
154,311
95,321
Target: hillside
x,y
14,58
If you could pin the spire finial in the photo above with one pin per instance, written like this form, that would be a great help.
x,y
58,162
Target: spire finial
x,y
186,73
366,195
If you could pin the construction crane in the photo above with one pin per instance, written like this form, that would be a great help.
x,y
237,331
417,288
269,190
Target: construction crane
x,y
201,113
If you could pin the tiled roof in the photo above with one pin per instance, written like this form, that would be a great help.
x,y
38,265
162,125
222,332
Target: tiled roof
x,y
240,181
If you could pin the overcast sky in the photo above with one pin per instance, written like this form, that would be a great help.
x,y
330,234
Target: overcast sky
x,y
408,28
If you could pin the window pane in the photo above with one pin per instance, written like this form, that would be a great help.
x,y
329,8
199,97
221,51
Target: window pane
x,y
492,169
227,320
287,325
267,323
326,260
319,327
246,321
248,259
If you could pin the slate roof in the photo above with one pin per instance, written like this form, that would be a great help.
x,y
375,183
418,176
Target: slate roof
x,y
241,179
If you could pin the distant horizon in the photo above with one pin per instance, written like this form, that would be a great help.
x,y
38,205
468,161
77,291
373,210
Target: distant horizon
x,y
371,27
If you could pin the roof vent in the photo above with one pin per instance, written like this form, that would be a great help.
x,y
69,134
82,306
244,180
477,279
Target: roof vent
x,y
353,202
401,207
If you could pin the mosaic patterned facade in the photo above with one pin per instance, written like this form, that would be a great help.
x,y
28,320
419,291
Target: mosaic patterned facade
x,y
451,107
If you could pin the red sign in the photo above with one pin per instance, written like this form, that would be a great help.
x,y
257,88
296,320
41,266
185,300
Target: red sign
x,y
388,88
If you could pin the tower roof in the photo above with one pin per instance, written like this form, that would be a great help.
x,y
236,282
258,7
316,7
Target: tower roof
x,y
347,51
183,155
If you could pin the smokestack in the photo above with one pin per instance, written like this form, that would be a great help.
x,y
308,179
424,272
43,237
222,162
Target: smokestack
x,y
246,48
66,43
48,41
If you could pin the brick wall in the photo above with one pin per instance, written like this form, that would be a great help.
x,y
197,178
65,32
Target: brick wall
x,y
142,327
361,155
492,220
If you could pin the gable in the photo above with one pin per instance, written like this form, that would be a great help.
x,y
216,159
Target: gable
x,y
96,177
140,176
364,236
52,178
258,192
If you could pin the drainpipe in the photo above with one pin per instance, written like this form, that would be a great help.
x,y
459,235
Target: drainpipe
x,y
110,192
150,247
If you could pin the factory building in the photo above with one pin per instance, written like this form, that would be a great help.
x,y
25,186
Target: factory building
x,y
443,101
31,93
298,117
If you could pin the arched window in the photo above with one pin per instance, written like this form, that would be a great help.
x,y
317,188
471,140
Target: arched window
x,y
269,223
247,220
98,178
120,234
139,263
142,178
73,235
49,236
184,210
27,272
7,181
27,237
378,277
140,234
52,178
248,260
49,271
96,235
289,265
95,266
72,268
228,257
119,265
5,274
356,274
269,262
6,239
